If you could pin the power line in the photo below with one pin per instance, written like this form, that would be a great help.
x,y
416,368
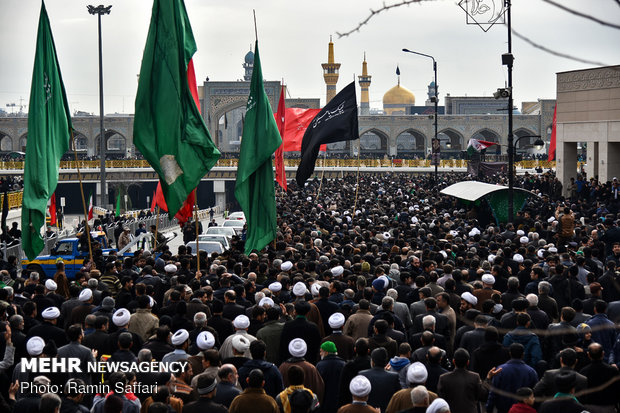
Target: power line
x,y
585,16
553,52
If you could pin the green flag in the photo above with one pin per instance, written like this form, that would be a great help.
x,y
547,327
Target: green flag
x,y
168,129
118,203
255,184
49,126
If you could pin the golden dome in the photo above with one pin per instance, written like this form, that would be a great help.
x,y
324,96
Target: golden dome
x,y
399,95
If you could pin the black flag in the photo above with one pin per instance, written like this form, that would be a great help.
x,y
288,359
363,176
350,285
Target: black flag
x,y
336,122
397,70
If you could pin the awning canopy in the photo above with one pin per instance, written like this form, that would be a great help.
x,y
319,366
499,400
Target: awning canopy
x,y
474,190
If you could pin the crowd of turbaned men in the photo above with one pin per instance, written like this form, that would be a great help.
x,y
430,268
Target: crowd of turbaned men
x,y
379,295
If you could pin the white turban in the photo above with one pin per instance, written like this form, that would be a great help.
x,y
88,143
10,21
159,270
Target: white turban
x,y
179,337
35,345
417,373
299,289
240,343
205,340
275,287
337,271
297,347
121,317
336,320
469,297
286,266
86,295
241,322
266,301
360,386
50,313
170,268
518,258
51,285
488,279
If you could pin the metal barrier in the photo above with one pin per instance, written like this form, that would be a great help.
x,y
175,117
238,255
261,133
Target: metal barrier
x,y
332,162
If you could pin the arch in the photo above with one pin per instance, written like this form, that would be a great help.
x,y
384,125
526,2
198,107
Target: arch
x,y
524,143
453,137
115,142
230,128
410,142
486,134
80,141
6,142
23,140
374,141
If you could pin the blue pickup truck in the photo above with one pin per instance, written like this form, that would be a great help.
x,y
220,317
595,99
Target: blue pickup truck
x,y
68,250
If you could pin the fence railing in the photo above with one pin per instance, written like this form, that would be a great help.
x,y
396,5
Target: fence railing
x,y
233,162
165,224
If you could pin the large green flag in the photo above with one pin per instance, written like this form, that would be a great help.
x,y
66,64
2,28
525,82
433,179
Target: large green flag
x,y
49,126
118,203
255,184
168,129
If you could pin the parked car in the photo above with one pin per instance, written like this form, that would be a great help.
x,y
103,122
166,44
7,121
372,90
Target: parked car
x,y
239,215
234,223
222,239
208,246
228,231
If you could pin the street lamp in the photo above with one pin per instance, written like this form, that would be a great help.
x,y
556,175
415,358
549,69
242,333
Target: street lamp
x,y
99,10
433,98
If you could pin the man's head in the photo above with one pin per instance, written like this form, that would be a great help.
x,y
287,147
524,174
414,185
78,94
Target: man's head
x,y
419,396
228,374
379,357
256,379
461,358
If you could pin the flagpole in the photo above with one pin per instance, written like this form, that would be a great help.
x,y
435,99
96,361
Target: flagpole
x,y
357,185
255,29
79,174
197,227
322,174
156,229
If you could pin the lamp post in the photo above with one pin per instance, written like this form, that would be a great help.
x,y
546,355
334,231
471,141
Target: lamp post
x,y
507,60
538,143
435,98
99,10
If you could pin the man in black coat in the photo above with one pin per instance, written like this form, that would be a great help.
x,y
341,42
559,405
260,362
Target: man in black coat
x,y
206,388
442,326
598,374
547,385
48,330
352,369
490,354
330,369
564,401
461,388
384,383
300,327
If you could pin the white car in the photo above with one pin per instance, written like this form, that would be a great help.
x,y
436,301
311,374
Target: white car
x,y
222,239
237,215
234,223
228,231
208,246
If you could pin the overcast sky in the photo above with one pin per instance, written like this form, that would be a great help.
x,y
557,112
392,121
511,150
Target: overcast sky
x,y
293,38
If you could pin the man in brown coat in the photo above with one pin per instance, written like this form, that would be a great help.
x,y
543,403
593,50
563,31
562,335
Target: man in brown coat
x,y
487,290
312,377
357,324
254,399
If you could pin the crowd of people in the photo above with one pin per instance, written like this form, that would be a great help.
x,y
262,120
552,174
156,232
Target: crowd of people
x,y
379,295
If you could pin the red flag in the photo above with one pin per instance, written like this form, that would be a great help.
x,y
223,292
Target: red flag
x,y
52,209
191,81
185,213
551,155
159,200
186,210
297,121
279,156
90,207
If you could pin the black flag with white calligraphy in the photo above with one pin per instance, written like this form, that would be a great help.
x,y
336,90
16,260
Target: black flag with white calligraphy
x,y
336,122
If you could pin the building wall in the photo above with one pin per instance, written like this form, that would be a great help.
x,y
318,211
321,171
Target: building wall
x,y
588,110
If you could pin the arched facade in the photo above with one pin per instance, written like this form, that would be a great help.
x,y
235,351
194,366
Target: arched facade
x,y
374,141
116,144
6,143
411,142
